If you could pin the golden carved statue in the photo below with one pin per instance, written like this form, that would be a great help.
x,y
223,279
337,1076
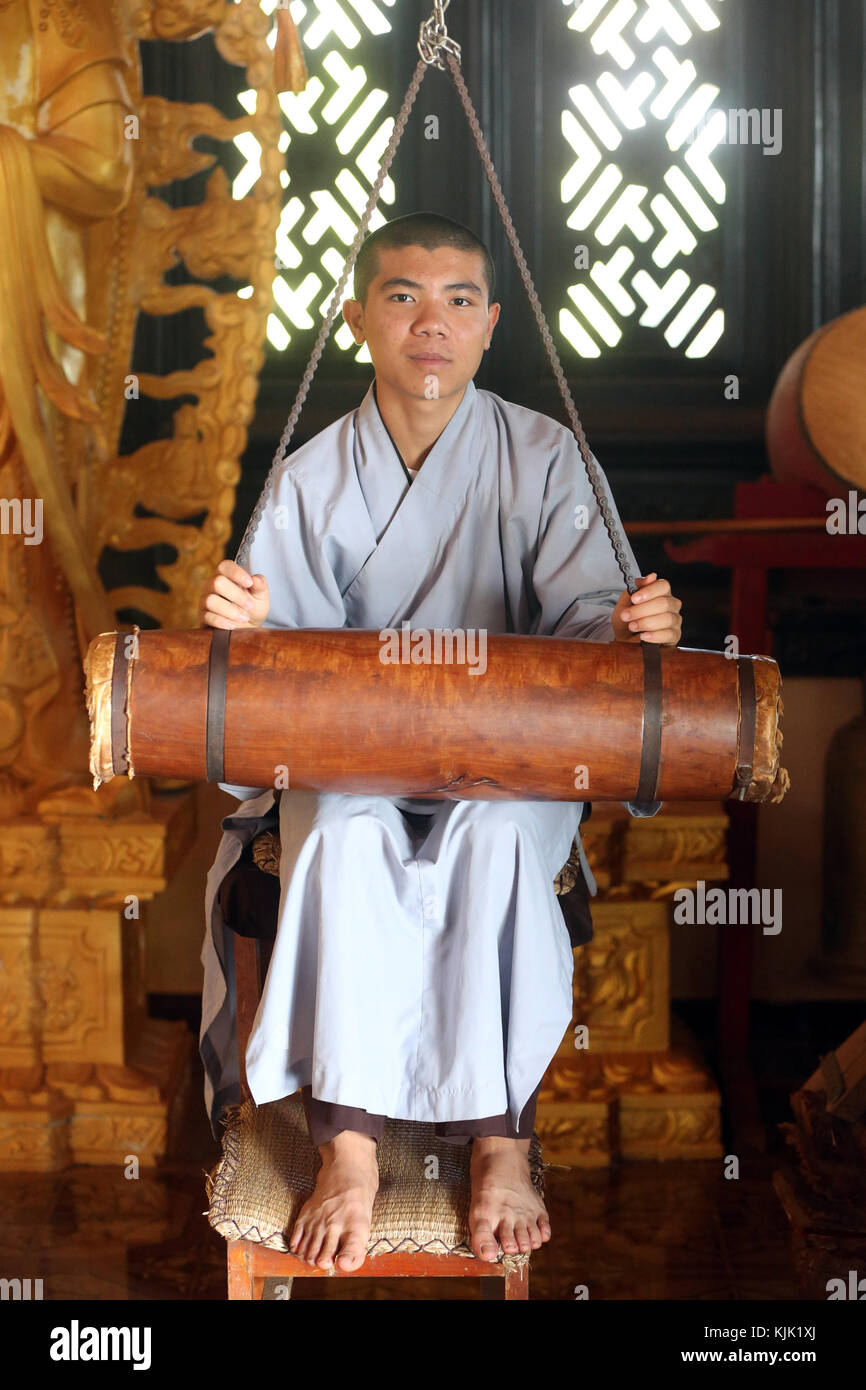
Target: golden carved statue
x,y
64,162
83,247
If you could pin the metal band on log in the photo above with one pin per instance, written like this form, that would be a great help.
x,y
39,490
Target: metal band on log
x,y
544,719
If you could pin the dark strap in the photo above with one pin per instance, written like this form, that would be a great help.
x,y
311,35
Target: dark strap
x,y
119,675
748,725
217,673
651,745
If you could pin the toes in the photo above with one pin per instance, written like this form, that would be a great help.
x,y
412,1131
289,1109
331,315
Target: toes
x,y
353,1253
506,1237
483,1240
303,1251
521,1234
325,1259
302,1232
312,1245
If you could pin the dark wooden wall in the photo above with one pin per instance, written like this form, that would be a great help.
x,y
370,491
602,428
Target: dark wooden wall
x,y
790,256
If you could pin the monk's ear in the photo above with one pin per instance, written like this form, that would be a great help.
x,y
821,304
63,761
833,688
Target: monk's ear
x,y
353,314
492,320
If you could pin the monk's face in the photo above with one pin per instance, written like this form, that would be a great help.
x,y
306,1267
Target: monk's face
x,y
426,316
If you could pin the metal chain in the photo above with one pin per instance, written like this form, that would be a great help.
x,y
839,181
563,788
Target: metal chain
x,y
335,302
613,529
434,45
434,42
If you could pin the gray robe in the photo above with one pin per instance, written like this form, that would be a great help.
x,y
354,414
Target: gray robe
x,y
422,978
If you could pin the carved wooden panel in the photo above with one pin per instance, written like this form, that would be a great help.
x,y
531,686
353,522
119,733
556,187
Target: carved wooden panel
x,y
621,988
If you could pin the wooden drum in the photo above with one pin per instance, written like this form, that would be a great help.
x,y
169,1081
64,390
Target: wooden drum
x,y
338,709
816,419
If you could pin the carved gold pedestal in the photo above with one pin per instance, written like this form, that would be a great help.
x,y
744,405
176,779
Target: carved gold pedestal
x,y
85,1076
624,1083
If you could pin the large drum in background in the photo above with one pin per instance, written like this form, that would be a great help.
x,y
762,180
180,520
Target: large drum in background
x,y
816,419
341,709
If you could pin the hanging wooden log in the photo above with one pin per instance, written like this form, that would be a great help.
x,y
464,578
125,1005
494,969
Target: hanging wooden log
x,y
342,709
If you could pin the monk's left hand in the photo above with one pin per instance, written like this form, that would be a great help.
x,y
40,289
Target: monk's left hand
x,y
651,614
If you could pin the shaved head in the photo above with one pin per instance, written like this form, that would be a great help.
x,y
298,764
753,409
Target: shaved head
x,y
426,229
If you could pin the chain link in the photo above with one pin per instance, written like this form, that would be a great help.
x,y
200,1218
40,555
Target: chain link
x,y
433,42
434,38
336,301
592,471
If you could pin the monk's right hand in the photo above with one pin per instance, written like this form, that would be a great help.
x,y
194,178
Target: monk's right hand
x,y
234,598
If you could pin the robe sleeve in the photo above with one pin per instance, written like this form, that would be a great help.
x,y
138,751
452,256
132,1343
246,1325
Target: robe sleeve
x,y
576,578
242,793
290,548
294,549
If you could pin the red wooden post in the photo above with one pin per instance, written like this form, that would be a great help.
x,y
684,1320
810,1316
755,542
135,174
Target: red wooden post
x,y
517,1282
750,558
240,1283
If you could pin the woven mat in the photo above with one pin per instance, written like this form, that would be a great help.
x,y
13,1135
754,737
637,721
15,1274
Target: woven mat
x,y
268,1170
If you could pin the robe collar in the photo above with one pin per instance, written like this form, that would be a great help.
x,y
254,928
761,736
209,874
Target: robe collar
x,y
444,469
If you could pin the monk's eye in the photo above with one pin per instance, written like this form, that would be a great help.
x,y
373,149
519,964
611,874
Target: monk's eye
x,y
461,299
401,294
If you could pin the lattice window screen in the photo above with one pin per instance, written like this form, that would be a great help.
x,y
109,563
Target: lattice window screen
x,y
342,117
639,57
645,245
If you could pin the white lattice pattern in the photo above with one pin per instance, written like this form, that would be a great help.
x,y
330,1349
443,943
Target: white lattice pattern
x,y
340,103
646,77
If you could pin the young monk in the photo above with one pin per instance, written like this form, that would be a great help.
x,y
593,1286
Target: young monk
x,y
422,968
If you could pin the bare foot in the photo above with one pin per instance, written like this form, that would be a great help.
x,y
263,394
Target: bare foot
x,y
333,1225
503,1202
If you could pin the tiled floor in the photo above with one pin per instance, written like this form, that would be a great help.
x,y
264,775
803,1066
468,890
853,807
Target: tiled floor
x,y
666,1231
637,1231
